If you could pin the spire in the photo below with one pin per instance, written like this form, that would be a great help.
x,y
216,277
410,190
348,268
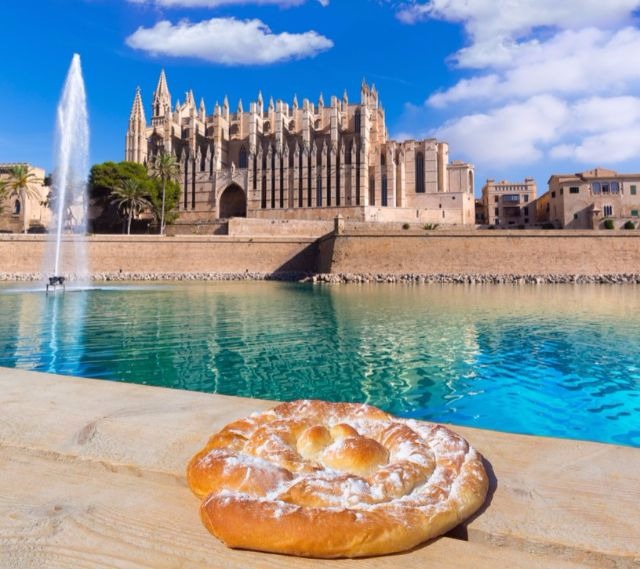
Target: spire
x,y
321,101
240,109
137,109
271,105
190,99
295,101
161,96
345,98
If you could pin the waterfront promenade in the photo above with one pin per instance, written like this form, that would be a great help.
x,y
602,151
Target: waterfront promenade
x,y
93,477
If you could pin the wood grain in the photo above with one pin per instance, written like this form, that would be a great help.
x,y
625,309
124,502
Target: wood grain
x,y
92,475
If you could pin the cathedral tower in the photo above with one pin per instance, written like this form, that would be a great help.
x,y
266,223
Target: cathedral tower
x,y
136,140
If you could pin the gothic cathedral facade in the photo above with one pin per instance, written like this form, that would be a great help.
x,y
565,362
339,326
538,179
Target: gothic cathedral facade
x,y
300,161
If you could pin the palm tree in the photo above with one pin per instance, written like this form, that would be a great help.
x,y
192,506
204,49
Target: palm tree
x,y
3,193
131,196
165,169
21,185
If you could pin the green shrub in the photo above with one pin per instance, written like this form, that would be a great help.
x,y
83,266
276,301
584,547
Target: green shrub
x,y
609,224
629,225
430,226
548,225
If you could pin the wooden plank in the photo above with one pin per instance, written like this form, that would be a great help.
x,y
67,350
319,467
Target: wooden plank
x,y
572,500
59,512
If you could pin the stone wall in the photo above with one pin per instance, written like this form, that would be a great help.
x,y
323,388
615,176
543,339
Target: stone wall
x,y
242,226
484,252
152,254
400,252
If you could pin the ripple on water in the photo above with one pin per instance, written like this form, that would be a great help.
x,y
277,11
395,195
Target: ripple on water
x,y
558,361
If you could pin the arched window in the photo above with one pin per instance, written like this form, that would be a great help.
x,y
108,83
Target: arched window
x,y
356,121
383,159
383,190
470,182
419,173
319,191
17,207
347,154
242,159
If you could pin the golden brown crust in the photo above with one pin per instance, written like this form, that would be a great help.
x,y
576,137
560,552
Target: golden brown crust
x,y
322,479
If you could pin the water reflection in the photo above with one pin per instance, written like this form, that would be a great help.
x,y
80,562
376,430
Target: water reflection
x,y
547,360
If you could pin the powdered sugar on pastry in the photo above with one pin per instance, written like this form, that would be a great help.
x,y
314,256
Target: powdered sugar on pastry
x,y
323,479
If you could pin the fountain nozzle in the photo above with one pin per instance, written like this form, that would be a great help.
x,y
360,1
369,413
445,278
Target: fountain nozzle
x,y
55,282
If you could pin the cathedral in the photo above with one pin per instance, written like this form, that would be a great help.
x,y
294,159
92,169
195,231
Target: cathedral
x,y
292,161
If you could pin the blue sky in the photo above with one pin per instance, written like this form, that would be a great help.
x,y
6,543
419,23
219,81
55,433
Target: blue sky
x,y
517,87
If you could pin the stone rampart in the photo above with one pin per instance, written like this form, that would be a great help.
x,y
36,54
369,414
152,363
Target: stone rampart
x,y
483,252
179,254
412,252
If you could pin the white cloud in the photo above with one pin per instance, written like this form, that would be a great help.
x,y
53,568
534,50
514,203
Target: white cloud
x,y
548,80
508,135
571,62
227,41
495,25
218,3
587,131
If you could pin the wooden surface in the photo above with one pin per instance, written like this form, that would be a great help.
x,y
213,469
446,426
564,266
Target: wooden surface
x,y
92,475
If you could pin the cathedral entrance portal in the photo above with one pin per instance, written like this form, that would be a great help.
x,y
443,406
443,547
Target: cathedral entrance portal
x,y
233,202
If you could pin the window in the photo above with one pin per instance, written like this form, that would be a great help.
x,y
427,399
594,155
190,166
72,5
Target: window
x,y
526,198
575,216
614,187
605,187
242,159
526,210
607,210
319,191
561,191
511,198
383,159
17,207
595,187
496,199
497,211
553,194
574,190
634,213
420,173
633,189
383,189
356,121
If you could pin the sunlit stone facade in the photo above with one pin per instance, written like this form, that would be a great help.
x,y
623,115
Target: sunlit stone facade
x,y
23,211
300,161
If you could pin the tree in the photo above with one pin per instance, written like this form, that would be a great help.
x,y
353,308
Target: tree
x,y
3,194
102,181
21,184
131,196
165,169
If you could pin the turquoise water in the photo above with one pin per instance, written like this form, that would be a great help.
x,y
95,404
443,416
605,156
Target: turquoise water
x,y
548,360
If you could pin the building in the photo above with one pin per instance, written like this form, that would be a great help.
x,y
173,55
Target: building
x,y
300,161
25,211
587,199
509,203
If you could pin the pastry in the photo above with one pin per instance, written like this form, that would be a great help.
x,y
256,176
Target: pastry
x,y
321,479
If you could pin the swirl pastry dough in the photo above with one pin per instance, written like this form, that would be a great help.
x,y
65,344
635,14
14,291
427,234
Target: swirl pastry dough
x,y
322,479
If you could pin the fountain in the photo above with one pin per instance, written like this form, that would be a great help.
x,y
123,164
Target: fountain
x,y
69,199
